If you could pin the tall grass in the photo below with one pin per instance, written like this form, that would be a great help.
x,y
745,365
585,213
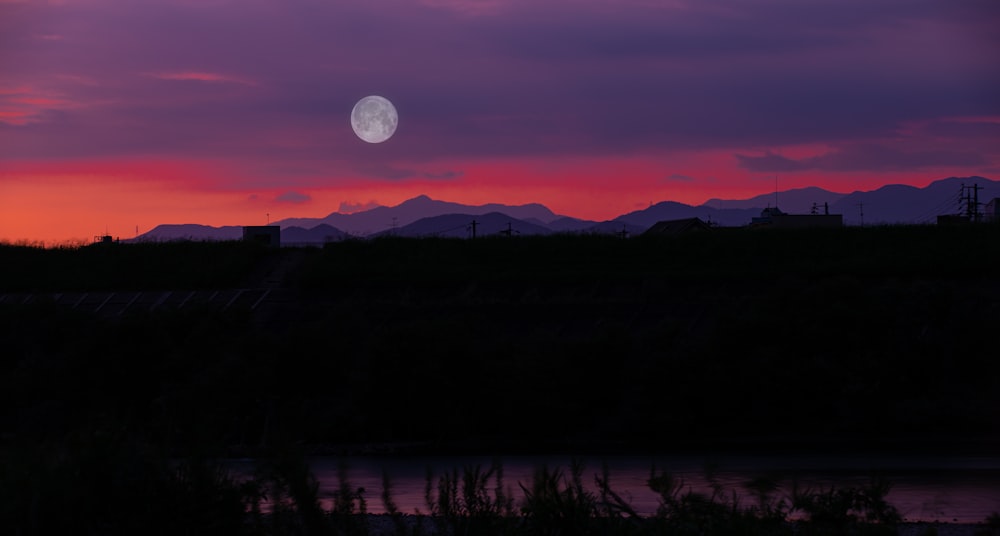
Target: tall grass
x,y
112,485
853,333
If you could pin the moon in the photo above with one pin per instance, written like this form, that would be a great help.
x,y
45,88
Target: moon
x,y
374,119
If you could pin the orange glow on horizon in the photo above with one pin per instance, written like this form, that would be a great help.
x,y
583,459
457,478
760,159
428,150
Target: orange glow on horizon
x,y
71,202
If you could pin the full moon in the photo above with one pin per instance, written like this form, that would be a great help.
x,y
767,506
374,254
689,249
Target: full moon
x,y
374,119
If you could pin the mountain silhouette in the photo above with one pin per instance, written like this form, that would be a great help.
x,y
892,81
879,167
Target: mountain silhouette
x,y
460,226
890,204
190,231
896,203
423,216
795,201
376,220
319,234
672,210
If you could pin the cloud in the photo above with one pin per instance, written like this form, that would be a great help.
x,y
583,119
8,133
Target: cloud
x,y
23,105
15,117
202,77
491,78
293,197
864,157
467,7
985,128
680,178
770,162
384,171
349,207
448,174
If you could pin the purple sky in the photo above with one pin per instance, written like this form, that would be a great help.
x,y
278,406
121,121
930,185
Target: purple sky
x,y
500,101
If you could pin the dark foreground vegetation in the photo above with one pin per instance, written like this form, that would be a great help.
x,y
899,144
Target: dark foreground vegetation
x,y
838,340
132,494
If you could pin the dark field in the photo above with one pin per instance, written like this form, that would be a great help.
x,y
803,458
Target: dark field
x,y
838,341
875,338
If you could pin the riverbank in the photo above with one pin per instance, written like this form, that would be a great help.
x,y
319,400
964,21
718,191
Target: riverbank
x,y
386,525
946,529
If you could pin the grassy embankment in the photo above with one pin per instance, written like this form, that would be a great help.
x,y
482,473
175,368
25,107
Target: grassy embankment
x,y
859,337
850,338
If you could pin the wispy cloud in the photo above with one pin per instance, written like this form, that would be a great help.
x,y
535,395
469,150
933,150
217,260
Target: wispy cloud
x,y
15,117
448,174
864,157
293,197
384,171
202,77
577,103
350,207
23,105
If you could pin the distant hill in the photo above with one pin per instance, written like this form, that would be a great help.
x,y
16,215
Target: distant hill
x,y
567,224
671,210
460,226
423,216
795,201
896,203
891,204
190,231
376,220
316,235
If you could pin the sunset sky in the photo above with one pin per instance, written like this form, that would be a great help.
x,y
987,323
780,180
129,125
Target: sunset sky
x,y
124,114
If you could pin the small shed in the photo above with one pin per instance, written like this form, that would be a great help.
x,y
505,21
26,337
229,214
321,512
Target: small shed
x,y
269,235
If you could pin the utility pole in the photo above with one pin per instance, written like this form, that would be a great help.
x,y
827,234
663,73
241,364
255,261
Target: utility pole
x,y
268,214
972,202
976,188
861,207
474,223
509,232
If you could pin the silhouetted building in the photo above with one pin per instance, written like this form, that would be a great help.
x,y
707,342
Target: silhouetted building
x,y
685,225
773,217
992,210
264,234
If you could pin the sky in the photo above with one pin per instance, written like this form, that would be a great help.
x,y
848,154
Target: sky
x,y
118,115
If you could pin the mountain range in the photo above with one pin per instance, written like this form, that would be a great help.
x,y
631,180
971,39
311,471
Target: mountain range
x,y
423,216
